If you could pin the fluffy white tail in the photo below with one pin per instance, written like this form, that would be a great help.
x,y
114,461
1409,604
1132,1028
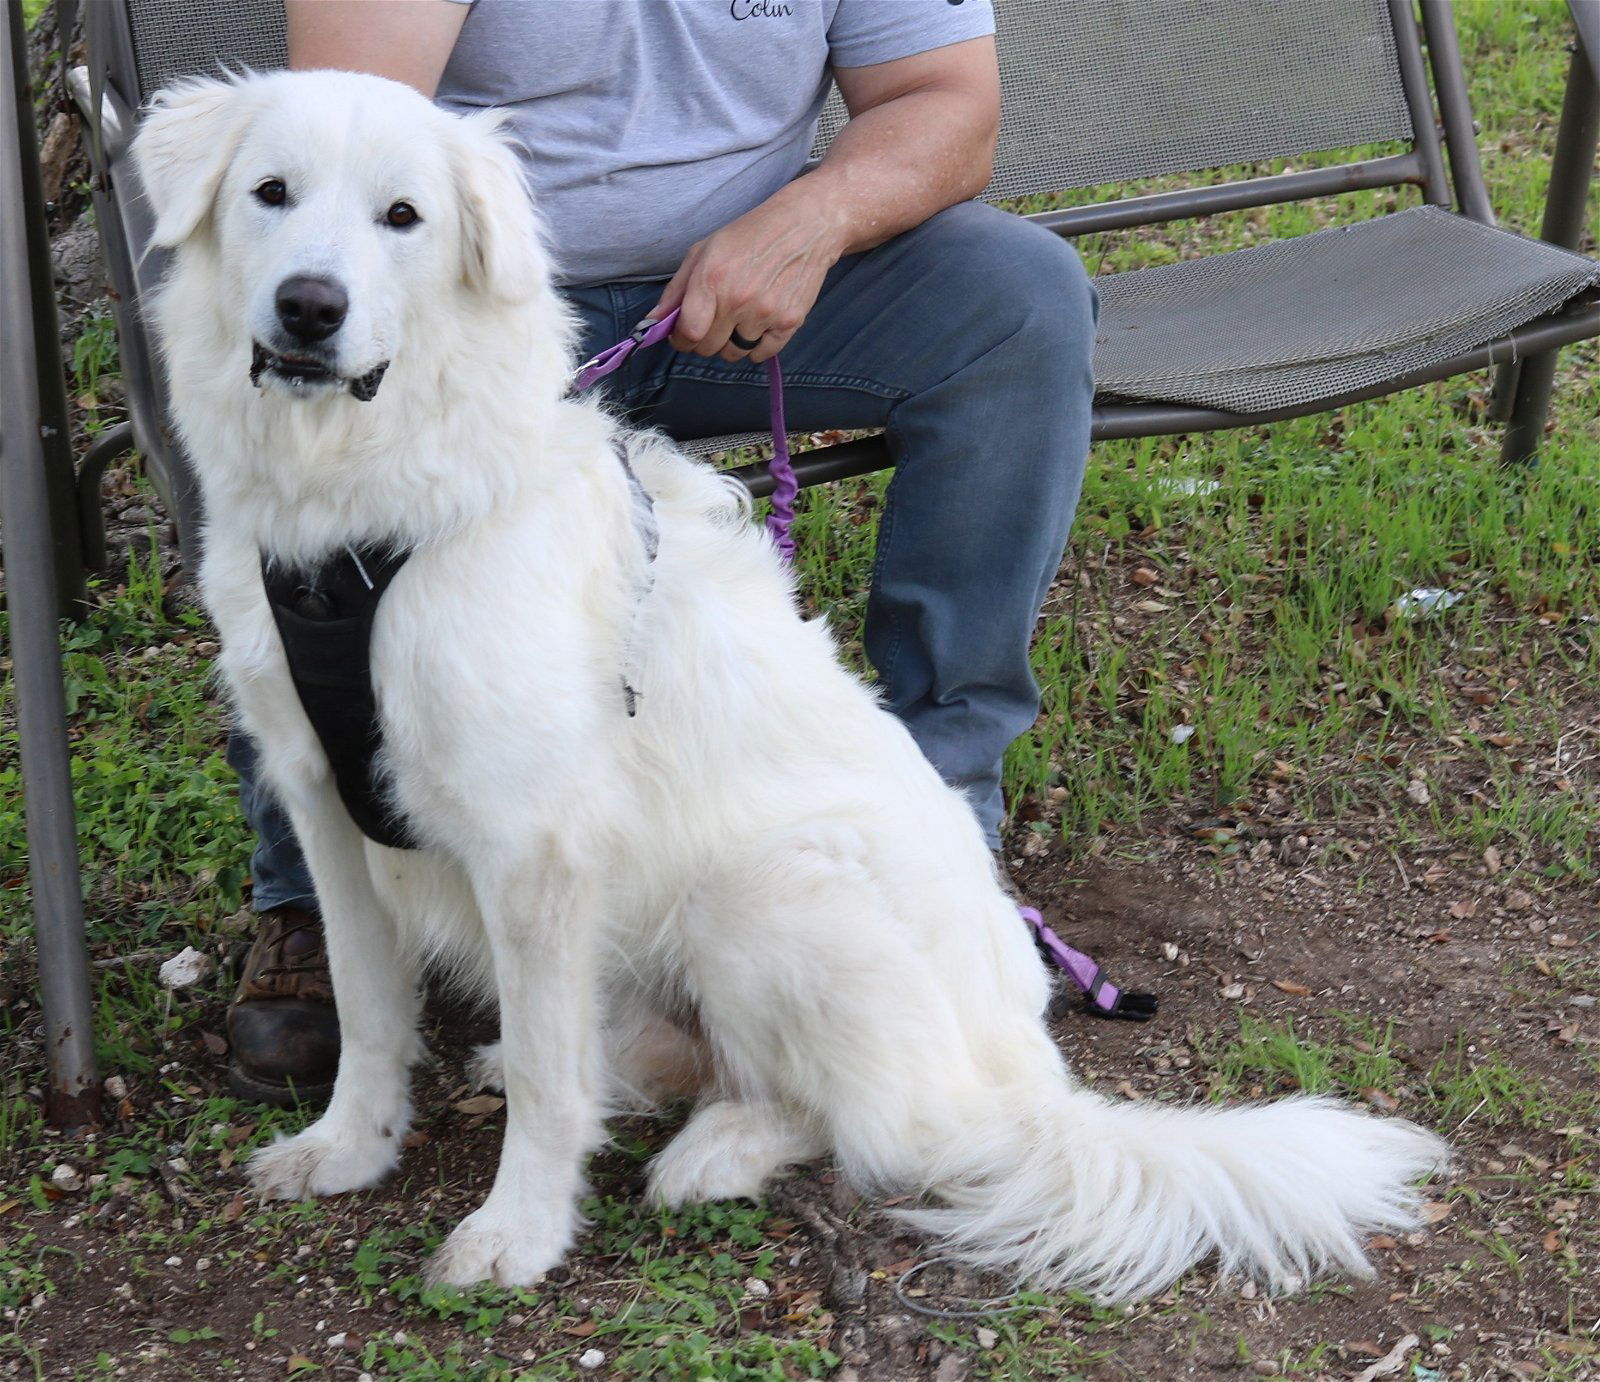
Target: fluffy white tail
x,y
1071,1190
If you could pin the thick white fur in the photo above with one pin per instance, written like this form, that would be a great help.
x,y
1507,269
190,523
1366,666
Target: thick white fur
x,y
760,862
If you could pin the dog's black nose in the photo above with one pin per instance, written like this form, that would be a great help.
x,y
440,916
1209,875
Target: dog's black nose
x,y
311,309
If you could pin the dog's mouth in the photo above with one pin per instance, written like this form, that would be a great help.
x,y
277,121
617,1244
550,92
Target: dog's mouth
x,y
307,372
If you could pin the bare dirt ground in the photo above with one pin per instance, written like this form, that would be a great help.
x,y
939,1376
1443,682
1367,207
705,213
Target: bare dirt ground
x,y
1429,944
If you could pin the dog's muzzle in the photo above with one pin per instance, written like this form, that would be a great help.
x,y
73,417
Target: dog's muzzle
x,y
302,371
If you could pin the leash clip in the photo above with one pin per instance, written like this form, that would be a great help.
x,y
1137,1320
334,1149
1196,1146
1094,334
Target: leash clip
x,y
1100,996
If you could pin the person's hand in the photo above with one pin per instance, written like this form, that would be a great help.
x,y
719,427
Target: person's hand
x,y
756,278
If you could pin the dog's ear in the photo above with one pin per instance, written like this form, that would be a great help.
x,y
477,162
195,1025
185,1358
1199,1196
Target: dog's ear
x,y
185,143
499,232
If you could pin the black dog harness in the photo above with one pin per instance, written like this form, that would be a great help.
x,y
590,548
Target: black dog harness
x,y
325,616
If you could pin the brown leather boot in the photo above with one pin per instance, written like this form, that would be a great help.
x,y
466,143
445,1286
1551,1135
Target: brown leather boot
x,y
283,1028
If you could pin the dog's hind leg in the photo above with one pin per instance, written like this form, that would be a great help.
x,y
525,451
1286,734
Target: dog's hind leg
x,y
815,994
356,1142
728,1150
544,921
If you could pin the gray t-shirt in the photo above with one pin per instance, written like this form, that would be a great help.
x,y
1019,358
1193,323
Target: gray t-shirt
x,y
648,124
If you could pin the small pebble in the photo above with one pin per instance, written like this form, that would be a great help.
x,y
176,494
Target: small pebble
x,y
185,969
756,1289
116,1087
66,1177
591,1359
174,1262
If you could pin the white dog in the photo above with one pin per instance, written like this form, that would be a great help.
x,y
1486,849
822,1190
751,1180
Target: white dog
x,y
759,857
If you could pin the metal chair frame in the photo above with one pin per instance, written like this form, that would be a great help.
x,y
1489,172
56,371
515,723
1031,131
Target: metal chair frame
x,y
52,517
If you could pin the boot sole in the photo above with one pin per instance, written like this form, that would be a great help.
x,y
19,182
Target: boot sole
x,y
278,1094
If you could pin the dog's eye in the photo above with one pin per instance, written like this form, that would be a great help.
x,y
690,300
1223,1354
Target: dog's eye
x,y
272,192
401,215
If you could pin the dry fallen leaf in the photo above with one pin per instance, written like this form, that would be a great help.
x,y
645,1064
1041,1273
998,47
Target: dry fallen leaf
x,y
1390,1363
1143,575
1467,907
480,1103
1385,1103
1435,1210
1491,860
1551,1242
233,1209
1289,986
582,1330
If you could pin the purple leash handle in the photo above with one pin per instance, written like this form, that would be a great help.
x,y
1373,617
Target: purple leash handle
x,y
1104,998
784,484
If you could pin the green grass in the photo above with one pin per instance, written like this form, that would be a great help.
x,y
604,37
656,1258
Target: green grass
x,y
1269,1057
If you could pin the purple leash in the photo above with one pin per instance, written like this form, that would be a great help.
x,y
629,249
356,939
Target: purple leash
x,y
784,484
1100,995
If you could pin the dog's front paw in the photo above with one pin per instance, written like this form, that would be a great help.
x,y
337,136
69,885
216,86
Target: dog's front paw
x,y
508,1252
314,1163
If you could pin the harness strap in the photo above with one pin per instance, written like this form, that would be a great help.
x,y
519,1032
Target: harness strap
x,y
644,522
325,617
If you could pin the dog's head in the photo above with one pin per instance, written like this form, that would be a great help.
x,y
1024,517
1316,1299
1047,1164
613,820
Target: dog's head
x,y
344,214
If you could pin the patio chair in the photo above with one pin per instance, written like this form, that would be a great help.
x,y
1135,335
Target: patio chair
x,y
1096,96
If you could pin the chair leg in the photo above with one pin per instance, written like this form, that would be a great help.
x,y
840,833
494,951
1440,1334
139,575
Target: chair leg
x,y
33,588
1529,409
1565,207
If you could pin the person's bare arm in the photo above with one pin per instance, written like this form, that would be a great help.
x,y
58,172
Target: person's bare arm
x,y
405,40
921,137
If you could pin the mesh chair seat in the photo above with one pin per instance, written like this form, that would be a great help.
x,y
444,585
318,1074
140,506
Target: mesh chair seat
x,y
1294,321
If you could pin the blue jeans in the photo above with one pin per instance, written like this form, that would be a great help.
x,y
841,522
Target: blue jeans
x,y
970,341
